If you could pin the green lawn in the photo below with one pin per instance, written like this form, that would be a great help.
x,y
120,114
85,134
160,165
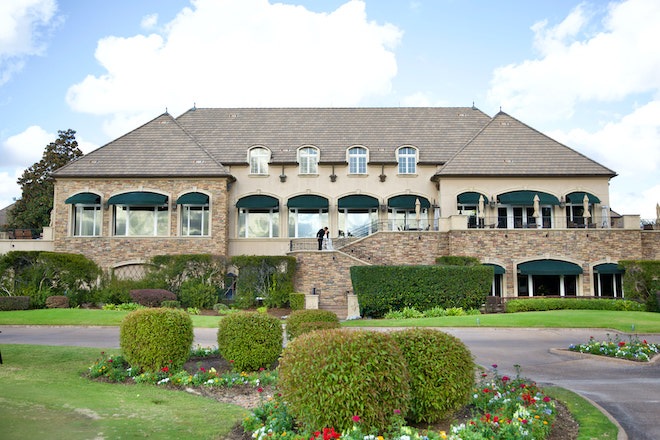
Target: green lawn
x,y
44,395
644,322
82,317
593,423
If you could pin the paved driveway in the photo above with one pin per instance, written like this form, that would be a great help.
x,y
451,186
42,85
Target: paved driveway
x,y
630,392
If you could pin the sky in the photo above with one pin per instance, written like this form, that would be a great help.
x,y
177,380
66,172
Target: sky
x,y
584,73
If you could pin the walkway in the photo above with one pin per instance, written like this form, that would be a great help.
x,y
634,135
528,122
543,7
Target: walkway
x,y
630,392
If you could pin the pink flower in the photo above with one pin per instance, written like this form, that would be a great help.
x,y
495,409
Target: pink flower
x,y
397,411
356,419
546,399
109,360
231,362
260,390
504,378
494,365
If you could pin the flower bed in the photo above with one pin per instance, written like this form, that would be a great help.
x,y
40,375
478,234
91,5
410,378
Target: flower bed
x,y
115,368
634,349
504,408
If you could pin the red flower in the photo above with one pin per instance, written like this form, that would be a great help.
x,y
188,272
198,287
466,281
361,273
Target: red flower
x,y
504,378
260,390
494,365
231,362
356,419
109,360
546,399
165,369
621,344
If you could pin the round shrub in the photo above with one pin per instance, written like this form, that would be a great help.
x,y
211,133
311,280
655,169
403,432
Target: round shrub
x,y
250,340
151,339
57,302
307,327
298,317
441,371
328,377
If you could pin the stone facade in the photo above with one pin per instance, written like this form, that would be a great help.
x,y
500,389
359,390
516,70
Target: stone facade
x,y
328,272
112,251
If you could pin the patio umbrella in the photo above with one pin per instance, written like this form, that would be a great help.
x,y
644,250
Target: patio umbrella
x,y
657,216
418,210
585,205
537,209
481,214
605,213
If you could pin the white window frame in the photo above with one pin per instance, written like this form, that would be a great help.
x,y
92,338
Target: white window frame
x,y
407,160
308,160
77,224
185,221
244,221
154,209
258,158
357,160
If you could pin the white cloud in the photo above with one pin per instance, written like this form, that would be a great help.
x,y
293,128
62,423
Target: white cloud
x,y
241,53
149,21
631,147
619,60
9,189
25,148
22,25
422,99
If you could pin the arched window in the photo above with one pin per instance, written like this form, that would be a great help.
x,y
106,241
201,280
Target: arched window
x,y
258,216
86,214
407,158
140,213
259,158
308,158
357,160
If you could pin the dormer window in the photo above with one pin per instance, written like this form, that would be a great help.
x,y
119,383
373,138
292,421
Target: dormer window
x,y
259,158
357,160
407,159
308,158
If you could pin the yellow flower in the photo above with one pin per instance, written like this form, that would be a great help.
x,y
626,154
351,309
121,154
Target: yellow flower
x,y
545,422
443,434
380,437
537,417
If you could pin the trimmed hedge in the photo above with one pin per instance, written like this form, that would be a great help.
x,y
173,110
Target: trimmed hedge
x,y
441,373
299,317
456,260
543,304
329,376
296,301
57,302
171,304
152,339
14,303
250,340
384,288
307,327
151,297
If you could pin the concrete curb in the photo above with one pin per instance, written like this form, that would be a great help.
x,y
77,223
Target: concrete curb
x,y
621,435
577,354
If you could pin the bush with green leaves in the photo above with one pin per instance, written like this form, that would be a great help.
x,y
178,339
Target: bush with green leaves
x,y
383,288
250,340
328,377
457,260
14,303
57,302
151,297
171,304
642,281
196,294
441,373
40,274
151,339
297,318
543,304
268,277
296,301
307,327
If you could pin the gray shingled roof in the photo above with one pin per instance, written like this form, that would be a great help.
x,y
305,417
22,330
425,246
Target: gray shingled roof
x,y
464,139
160,147
437,132
507,147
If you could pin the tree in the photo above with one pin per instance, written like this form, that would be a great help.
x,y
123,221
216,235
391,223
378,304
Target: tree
x,y
32,210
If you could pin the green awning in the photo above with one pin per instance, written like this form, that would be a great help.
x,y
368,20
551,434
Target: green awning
x,y
258,201
308,202
84,198
609,268
193,198
526,198
549,267
143,198
358,201
407,202
499,270
471,198
578,198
